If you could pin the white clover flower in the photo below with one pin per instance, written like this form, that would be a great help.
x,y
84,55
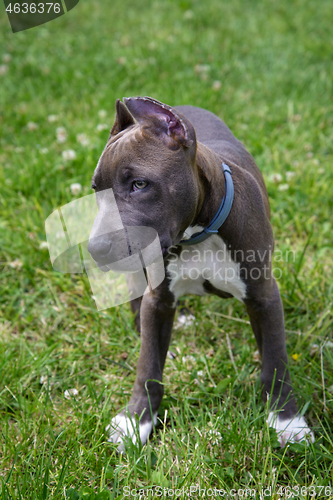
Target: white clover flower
x,y
32,126
201,68
276,178
283,187
3,69
44,245
75,188
102,114
83,139
188,359
52,118
68,154
102,126
43,380
44,151
71,393
16,264
6,58
184,320
121,60
188,14
290,174
217,85
61,134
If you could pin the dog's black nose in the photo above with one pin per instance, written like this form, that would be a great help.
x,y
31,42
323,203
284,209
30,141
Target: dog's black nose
x,y
99,247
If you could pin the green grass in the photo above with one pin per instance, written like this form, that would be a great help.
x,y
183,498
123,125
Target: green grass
x,y
274,64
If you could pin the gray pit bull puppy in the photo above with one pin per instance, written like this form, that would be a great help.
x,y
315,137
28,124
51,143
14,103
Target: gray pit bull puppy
x,y
169,169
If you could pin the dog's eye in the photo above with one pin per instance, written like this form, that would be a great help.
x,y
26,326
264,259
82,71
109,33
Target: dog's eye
x,y
137,185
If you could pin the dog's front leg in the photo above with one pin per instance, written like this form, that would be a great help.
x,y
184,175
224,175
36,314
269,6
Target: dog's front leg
x,y
157,315
267,320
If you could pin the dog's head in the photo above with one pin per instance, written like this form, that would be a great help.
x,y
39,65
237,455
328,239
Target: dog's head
x,y
149,163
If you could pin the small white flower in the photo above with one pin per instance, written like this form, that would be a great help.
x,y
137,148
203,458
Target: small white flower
x,y
75,188
290,174
52,118
314,349
69,154
283,187
188,359
83,139
6,58
102,126
43,379
32,126
201,68
102,114
3,69
61,134
276,178
184,320
16,264
188,14
44,151
71,393
217,85
44,245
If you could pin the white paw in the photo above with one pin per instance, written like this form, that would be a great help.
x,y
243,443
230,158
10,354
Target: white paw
x,y
123,426
290,430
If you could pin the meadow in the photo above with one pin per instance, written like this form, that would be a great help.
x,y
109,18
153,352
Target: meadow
x,y
266,68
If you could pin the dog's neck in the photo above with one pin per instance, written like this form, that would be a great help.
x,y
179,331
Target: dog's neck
x,y
211,179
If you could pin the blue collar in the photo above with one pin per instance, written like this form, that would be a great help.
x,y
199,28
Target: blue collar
x,y
221,214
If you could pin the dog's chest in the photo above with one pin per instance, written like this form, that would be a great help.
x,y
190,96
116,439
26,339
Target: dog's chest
x,y
208,262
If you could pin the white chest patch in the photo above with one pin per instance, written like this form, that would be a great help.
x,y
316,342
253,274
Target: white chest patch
x,y
209,261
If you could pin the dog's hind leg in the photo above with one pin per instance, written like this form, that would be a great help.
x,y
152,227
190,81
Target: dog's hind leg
x,y
267,321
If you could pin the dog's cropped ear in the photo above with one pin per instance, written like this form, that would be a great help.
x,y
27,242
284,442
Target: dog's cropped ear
x,y
165,121
123,118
